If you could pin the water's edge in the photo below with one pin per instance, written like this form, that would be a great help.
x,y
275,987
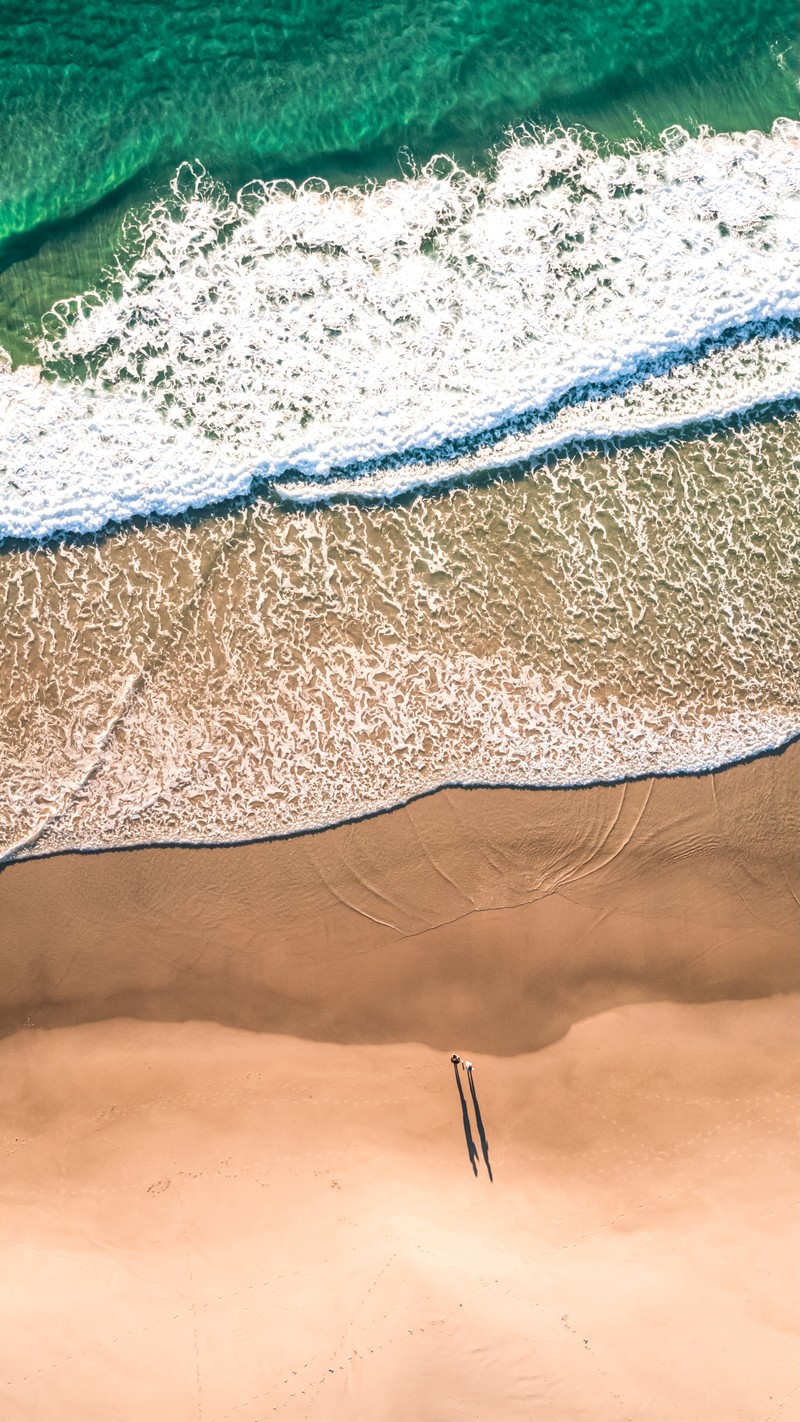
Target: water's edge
x,y
381,810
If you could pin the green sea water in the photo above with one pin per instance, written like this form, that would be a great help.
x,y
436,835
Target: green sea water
x,y
100,99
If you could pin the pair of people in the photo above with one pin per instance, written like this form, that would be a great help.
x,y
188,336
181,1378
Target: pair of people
x,y
455,1059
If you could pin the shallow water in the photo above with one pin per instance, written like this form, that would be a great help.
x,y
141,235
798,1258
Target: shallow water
x,y
265,671
315,498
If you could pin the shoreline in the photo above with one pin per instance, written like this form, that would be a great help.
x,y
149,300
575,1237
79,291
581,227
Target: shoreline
x,y
239,1177
8,858
394,928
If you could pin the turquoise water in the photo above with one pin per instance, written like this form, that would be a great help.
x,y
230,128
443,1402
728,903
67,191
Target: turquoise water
x,y
100,99
92,93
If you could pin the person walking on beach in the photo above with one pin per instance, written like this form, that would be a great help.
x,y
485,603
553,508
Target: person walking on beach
x,y
472,1149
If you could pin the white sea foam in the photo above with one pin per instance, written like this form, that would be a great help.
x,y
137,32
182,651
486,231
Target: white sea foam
x,y
708,392
304,332
273,669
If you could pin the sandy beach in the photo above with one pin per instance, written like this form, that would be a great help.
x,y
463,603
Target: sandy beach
x,y
239,1180
399,403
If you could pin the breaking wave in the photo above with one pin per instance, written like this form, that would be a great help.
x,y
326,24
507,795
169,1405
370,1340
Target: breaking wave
x,y
346,341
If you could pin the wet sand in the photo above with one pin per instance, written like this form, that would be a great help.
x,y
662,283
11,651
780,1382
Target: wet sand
x,y
259,1200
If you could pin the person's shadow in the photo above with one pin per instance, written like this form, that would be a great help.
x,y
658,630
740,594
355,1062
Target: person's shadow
x,y
471,1147
479,1121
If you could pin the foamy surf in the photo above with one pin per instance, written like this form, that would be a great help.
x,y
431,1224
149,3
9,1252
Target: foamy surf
x,y
309,336
712,392
275,669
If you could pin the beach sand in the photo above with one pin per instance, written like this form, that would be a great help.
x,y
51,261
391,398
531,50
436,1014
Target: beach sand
x,y
237,1182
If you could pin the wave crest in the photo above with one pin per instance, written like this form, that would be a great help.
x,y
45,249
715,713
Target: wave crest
x,y
306,331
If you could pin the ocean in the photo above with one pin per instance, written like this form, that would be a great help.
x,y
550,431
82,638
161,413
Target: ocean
x,y
390,397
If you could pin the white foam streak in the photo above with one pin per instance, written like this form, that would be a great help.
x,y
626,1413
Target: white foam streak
x,y
765,373
308,331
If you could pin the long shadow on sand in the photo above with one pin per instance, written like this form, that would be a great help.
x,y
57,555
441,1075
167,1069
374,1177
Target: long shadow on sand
x,y
479,1123
471,1147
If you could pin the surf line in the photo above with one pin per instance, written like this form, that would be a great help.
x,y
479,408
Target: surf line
x,y
170,470
570,430
17,855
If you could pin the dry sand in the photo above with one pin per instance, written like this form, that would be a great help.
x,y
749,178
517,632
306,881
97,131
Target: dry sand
x,y
258,1200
